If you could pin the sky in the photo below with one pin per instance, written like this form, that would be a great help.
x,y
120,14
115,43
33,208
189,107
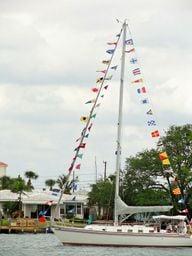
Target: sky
x,y
49,54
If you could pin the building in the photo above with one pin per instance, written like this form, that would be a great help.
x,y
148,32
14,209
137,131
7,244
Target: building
x,y
3,168
38,201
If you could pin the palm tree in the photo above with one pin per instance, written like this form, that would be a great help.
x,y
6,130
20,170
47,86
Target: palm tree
x,y
50,183
30,175
18,186
64,183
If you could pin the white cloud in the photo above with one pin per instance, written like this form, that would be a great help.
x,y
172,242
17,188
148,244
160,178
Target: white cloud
x,y
48,57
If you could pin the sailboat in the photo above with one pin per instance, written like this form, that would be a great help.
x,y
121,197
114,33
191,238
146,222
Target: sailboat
x,y
118,234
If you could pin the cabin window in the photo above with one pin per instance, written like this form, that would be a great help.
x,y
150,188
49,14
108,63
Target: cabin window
x,y
129,230
140,230
119,230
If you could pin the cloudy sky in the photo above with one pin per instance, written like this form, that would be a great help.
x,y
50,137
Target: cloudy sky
x,y
49,53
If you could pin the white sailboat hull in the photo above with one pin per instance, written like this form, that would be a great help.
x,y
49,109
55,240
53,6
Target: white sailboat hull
x,y
78,236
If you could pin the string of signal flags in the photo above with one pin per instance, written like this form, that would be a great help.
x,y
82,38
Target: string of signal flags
x,y
99,91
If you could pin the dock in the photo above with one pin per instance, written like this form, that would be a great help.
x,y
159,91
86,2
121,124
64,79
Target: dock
x,y
23,225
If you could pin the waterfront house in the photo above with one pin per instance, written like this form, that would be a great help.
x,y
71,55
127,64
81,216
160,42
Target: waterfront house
x,y
39,201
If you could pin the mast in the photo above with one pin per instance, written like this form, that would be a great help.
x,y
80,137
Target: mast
x,y
119,124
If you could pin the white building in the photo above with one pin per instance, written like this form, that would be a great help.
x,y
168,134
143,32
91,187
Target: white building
x,y
45,201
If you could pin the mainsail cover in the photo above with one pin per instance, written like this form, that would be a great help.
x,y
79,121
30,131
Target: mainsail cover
x,y
123,208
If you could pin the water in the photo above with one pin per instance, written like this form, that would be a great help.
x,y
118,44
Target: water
x,y
48,245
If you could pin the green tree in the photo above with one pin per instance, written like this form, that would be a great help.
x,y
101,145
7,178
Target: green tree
x,y
30,175
102,195
50,183
178,144
141,171
64,183
10,207
19,186
65,186
5,182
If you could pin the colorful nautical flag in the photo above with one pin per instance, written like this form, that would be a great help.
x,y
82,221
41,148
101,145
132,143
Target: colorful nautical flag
x,y
164,158
94,89
145,101
163,155
155,134
99,80
106,62
129,42
80,156
102,95
149,112
114,67
112,43
78,166
78,139
93,116
136,71
74,187
90,101
137,81
111,51
105,87
109,78
151,123
131,50
82,145
141,90
86,136
118,35
98,105
176,191
84,119
166,162
133,61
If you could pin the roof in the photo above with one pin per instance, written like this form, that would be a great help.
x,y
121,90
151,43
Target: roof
x,y
3,164
40,197
7,195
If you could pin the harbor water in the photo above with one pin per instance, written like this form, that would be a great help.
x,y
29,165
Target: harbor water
x,y
48,245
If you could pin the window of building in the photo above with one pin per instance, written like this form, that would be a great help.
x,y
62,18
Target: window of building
x,y
79,209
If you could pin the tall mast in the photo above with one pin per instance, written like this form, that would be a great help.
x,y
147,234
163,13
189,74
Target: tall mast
x,y
119,124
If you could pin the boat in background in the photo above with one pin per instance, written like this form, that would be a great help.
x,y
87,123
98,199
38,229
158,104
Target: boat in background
x,y
118,234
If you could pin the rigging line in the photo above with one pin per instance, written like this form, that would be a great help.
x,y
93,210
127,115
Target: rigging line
x,y
87,125
140,66
148,92
93,107
167,176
